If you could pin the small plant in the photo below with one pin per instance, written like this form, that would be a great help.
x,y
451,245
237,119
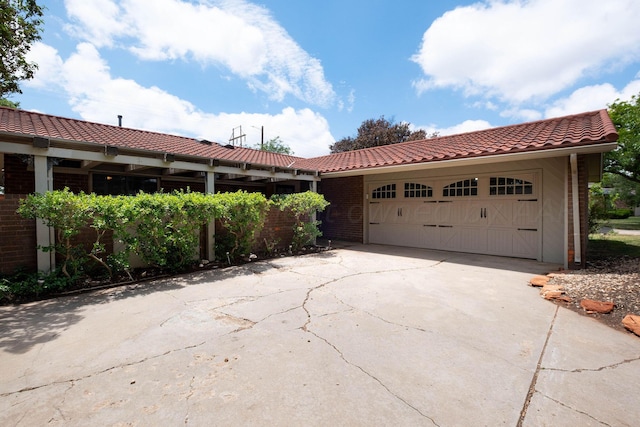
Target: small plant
x,y
303,206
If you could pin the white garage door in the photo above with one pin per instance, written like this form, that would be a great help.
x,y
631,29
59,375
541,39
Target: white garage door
x,y
493,214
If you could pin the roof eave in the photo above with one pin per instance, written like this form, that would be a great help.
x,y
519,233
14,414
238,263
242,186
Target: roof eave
x,y
600,147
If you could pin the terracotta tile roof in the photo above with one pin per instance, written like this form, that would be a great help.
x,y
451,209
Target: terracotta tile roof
x,y
570,131
36,124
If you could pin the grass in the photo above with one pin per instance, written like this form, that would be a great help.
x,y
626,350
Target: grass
x,y
631,223
613,246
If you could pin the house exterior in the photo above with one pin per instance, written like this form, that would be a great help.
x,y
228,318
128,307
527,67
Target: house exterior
x,y
518,191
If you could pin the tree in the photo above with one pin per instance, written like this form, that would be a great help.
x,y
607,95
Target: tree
x,y
275,145
377,132
20,26
6,103
625,160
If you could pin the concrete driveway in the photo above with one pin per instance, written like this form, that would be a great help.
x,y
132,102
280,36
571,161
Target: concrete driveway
x,y
364,335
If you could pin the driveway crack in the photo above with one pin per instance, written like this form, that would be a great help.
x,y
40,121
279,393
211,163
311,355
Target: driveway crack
x,y
103,371
373,377
534,379
602,368
574,409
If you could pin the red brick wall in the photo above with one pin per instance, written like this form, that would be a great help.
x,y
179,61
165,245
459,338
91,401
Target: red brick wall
x,y
75,182
17,179
17,237
342,220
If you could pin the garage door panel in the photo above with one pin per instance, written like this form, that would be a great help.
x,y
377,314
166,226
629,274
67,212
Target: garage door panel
x,y
525,243
500,217
500,213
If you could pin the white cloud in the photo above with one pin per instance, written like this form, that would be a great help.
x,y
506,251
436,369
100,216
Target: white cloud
x,y
97,96
521,51
592,98
522,114
238,35
466,126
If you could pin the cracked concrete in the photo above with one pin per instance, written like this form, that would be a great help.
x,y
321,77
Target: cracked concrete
x,y
367,335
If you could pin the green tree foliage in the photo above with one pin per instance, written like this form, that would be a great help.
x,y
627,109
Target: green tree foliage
x,y
623,188
377,132
302,206
597,208
20,26
275,145
625,160
7,103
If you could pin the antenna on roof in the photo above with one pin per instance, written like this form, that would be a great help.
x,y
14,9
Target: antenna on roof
x,y
240,137
120,120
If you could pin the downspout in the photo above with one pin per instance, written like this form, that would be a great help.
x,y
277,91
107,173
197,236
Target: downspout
x,y
575,200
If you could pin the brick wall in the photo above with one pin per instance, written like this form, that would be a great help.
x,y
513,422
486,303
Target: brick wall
x,y
17,179
17,237
583,200
342,220
75,182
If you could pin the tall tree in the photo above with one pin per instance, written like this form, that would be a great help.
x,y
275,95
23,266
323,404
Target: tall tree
x,y
20,26
625,160
376,132
275,145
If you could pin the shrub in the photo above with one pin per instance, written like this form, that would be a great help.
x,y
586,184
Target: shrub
x,y
619,213
166,227
242,214
67,213
302,206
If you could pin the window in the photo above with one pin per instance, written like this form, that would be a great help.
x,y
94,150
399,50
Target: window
x,y
499,186
123,185
413,190
385,192
467,187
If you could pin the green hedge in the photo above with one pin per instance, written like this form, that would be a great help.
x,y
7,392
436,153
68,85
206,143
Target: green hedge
x,y
619,213
161,228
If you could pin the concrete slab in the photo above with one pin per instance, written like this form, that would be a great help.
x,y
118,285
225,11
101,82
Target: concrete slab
x,y
363,335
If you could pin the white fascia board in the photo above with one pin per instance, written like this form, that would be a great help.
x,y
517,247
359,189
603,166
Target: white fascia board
x,y
470,161
71,154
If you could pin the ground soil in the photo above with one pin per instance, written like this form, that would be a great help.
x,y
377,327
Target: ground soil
x,y
614,280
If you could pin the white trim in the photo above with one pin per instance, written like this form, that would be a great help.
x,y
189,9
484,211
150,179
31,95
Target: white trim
x,y
72,154
472,161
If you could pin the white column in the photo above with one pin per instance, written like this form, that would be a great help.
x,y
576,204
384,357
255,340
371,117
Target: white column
x,y
575,206
44,235
314,216
211,227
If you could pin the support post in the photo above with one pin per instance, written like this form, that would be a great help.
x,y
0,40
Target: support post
x,y
314,216
211,227
44,235
575,206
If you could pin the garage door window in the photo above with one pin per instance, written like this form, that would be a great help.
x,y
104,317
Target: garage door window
x,y
467,187
413,190
499,186
385,192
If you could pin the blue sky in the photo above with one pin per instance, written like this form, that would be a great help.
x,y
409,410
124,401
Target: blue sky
x,y
311,72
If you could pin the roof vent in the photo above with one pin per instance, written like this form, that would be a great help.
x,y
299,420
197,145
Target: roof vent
x,y
229,146
120,120
205,141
